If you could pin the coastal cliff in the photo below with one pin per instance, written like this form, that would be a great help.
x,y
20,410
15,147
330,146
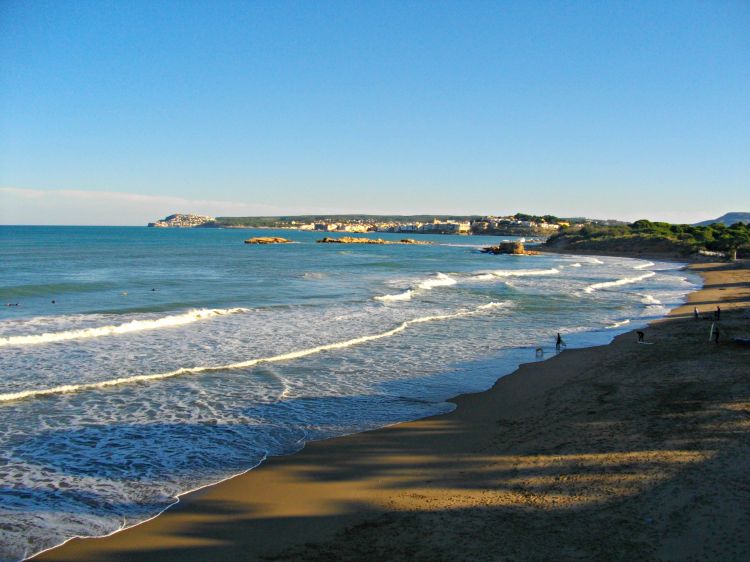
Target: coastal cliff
x,y
179,220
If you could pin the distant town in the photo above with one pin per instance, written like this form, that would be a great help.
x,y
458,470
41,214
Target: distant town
x,y
519,224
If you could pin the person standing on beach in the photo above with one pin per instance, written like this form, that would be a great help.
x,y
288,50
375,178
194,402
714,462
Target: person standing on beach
x,y
559,342
718,312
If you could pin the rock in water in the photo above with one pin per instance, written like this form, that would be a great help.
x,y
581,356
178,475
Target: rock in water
x,y
515,248
267,240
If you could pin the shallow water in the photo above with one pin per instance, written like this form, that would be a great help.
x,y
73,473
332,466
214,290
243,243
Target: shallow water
x,y
175,358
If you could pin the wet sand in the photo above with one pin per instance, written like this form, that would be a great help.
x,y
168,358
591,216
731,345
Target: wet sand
x,y
619,452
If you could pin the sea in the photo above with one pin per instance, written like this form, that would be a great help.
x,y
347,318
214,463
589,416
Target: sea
x,y
137,364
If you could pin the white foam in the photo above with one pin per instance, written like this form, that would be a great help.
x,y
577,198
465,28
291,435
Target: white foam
x,y
405,296
524,272
491,305
440,280
618,282
648,299
69,388
574,265
644,265
618,324
129,327
483,277
595,260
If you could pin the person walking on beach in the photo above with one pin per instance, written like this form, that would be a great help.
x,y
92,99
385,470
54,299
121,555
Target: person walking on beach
x,y
559,342
641,336
718,313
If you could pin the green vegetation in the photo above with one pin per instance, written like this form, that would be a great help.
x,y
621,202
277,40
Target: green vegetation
x,y
660,237
551,219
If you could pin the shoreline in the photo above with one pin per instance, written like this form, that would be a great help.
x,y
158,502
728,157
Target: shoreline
x,y
238,503
668,257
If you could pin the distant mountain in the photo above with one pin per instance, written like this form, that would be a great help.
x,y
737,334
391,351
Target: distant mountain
x,y
729,219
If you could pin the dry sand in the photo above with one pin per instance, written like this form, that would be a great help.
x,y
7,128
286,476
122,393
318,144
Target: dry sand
x,y
618,452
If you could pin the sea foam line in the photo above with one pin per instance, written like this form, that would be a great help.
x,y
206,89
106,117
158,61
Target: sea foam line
x,y
440,280
644,265
127,328
618,282
650,300
514,273
70,388
405,296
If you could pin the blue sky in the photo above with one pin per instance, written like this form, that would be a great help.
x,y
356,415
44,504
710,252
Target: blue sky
x,y
121,112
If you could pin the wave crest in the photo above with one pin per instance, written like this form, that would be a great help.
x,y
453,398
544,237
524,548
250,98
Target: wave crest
x,y
69,388
618,282
515,273
440,280
649,299
127,328
405,296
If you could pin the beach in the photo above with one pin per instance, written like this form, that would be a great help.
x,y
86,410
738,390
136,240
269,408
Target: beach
x,y
620,451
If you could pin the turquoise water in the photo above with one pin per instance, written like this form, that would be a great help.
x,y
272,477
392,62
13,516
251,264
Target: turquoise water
x,y
171,359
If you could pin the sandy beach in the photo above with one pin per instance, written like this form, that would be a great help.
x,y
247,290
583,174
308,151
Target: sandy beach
x,y
619,452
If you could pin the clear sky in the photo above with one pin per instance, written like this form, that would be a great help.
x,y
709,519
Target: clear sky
x,y
123,112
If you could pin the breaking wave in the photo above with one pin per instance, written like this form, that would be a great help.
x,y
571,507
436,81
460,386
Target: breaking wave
x,y
644,265
618,324
514,273
405,296
440,280
69,388
127,328
648,299
618,282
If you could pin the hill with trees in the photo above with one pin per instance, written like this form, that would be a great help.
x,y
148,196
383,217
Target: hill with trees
x,y
655,238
